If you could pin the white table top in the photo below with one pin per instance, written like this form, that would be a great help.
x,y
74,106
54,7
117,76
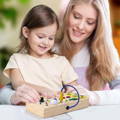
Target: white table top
x,y
108,112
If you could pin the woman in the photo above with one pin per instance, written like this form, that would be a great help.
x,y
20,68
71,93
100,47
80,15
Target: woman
x,y
85,39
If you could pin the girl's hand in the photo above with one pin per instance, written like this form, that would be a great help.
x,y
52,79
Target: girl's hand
x,y
47,93
25,94
80,89
93,97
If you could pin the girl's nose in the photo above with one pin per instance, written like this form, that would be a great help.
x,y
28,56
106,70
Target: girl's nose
x,y
45,41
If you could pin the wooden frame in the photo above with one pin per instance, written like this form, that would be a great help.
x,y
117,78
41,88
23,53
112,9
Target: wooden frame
x,y
52,110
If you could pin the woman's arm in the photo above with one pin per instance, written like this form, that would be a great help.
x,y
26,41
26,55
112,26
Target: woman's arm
x,y
110,96
115,84
23,94
103,97
107,97
5,94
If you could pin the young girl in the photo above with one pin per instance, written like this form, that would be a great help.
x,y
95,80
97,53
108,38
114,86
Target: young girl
x,y
35,64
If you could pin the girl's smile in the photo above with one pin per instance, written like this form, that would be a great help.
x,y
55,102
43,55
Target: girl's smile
x,y
40,40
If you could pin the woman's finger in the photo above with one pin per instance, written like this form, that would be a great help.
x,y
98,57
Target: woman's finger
x,y
25,89
27,96
16,99
28,88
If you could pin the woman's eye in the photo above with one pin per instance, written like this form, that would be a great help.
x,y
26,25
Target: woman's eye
x,y
76,16
91,22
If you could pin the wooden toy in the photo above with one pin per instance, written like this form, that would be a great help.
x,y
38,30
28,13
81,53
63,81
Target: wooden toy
x,y
67,102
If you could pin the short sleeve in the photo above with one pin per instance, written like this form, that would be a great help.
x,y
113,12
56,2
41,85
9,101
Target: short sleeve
x,y
10,65
68,74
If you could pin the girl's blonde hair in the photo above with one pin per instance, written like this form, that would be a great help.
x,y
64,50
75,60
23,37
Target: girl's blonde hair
x,y
102,68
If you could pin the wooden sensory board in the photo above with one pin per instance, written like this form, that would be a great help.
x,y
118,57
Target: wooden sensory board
x,y
52,110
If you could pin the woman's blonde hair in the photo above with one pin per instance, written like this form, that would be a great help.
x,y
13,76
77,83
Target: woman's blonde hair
x,y
101,69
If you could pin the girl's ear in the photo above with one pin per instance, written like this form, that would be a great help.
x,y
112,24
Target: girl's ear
x,y
25,31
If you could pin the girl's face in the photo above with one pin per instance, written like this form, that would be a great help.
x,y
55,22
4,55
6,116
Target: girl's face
x,y
82,22
40,40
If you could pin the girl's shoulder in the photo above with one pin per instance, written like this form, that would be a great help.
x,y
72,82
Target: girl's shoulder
x,y
62,59
59,56
19,56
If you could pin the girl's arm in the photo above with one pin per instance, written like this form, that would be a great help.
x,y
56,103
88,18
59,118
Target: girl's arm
x,y
17,80
81,90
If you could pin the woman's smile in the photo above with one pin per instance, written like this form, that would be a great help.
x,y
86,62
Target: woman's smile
x,y
77,33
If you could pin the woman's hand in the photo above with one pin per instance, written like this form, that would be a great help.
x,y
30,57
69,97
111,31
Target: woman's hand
x,y
25,94
93,97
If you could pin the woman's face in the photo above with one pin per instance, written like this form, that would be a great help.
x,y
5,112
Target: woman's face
x,y
81,22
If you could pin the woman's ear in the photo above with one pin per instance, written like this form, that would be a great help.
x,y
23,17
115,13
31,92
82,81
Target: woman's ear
x,y
25,32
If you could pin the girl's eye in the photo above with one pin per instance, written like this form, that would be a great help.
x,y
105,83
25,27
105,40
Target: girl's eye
x,y
51,38
40,37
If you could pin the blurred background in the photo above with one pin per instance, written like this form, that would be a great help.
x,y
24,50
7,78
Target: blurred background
x,y
12,13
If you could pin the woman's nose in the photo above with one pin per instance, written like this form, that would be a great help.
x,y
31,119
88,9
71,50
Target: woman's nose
x,y
81,24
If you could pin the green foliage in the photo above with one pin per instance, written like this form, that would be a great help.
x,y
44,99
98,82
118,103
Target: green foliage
x,y
2,24
24,1
9,13
3,1
5,54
